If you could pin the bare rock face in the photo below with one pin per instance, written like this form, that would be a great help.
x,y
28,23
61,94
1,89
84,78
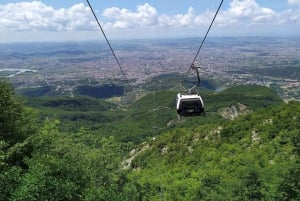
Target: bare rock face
x,y
234,111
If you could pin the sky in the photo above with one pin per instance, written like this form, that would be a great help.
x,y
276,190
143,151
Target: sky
x,y
72,20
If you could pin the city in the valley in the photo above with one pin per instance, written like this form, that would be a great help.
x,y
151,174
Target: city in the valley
x,y
269,61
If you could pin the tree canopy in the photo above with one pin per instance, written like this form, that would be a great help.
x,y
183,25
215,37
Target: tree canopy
x,y
145,153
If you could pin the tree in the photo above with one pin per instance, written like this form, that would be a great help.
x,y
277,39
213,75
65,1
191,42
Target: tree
x,y
16,125
290,186
51,178
16,122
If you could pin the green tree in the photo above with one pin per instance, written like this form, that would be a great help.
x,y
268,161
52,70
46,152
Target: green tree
x,y
16,125
51,178
16,122
290,186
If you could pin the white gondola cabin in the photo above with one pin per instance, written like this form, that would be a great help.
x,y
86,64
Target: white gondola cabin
x,y
189,105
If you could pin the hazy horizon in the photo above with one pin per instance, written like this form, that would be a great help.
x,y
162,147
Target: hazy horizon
x,y
209,38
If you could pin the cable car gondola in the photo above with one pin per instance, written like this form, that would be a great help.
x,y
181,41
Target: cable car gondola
x,y
189,105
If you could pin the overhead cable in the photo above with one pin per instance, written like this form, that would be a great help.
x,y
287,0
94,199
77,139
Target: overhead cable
x,y
113,52
192,65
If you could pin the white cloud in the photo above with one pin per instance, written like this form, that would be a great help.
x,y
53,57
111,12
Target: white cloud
x,y
240,12
179,20
145,15
248,12
36,16
289,17
294,2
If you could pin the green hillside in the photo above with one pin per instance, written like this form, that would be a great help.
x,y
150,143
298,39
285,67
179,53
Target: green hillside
x,y
72,104
149,115
153,100
255,157
89,149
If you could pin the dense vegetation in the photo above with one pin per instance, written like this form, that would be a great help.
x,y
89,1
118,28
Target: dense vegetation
x,y
105,91
87,89
255,157
38,91
84,148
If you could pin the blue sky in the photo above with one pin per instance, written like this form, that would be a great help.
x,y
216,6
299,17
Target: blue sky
x,y
57,20
166,6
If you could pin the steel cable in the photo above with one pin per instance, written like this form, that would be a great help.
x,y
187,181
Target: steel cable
x,y
113,52
192,65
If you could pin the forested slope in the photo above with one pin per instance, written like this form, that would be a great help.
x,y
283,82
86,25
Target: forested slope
x,y
145,152
254,157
